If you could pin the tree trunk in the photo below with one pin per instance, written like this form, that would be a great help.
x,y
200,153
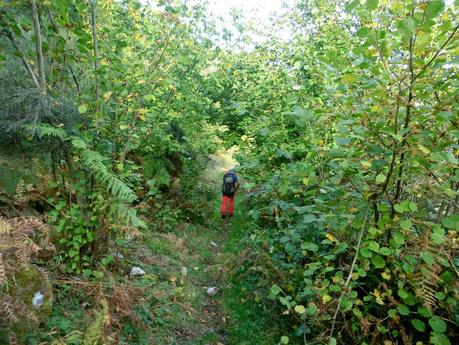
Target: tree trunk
x,y
38,46
95,43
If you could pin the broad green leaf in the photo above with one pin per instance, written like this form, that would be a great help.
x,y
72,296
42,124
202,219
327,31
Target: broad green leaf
x,y
311,309
410,24
346,304
419,325
275,290
356,311
451,222
385,251
310,246
399,208
405,224
427,257
423,311
366,252
381,178
373,246
372,4
437,324
439,339
284,340
440,295
82,108
438,235
434,8
378,261
402,293
332,341
408,268
403,309
398,237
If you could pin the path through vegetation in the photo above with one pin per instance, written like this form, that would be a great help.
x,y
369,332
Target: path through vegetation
x,y
115,121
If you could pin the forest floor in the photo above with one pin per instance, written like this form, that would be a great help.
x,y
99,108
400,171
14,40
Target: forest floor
x,y
170,304
196,258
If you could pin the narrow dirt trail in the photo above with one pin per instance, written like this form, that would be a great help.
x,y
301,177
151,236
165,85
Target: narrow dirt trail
x,y
181,263
212,311
193,259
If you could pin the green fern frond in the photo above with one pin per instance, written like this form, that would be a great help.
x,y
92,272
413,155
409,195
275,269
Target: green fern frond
x,y
128,216
78,143
95,161
95,333
45,130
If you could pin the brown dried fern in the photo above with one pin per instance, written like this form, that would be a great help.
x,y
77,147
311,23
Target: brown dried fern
x,y
5,228
22,239
7,309
20,197
2,270
426,277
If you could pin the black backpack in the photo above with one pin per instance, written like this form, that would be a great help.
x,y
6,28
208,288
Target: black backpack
x,y
229,184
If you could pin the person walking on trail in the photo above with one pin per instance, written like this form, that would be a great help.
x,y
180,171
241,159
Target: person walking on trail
x,y
230,186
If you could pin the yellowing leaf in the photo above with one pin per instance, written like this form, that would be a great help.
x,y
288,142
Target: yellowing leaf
x,y
305,181
375,108
123,127
300,309
350,79
386,275
107,95
366,164
326,298
423,149
330,237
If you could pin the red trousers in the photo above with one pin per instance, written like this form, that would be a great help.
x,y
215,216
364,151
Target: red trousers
x,y
225,199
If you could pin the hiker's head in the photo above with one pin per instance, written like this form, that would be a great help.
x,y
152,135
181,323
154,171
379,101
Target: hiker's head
x,y
230,171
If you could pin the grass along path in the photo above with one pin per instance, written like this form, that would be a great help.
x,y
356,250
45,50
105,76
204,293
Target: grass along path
x,y
185,314
169,304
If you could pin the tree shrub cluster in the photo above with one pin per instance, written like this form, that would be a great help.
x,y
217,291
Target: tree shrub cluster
x,y
349,138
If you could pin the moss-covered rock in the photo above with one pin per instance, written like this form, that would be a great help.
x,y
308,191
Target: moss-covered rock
x,y
28,280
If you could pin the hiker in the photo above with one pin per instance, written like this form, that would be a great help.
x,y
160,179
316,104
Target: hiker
x,y
229,188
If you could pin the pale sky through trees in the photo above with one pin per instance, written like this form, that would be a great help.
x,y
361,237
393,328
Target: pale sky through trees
x,y
258,14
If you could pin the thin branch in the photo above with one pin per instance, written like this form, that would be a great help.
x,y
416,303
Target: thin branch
x,y
346,284
437,53
23,59
38,46
95,44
